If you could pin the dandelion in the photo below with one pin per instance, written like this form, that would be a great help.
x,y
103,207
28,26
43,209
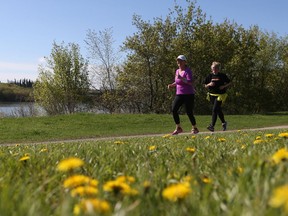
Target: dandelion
x,y
280,198
119,142
206,180
258,138
77,180
92,206
44,150
129,179
280,155
258,141
119,187
84,191
222,140
177,191
193,137
269,135
25,158
70,164
190,149
207,137
166,136
152,148
240,170
243,146
284,135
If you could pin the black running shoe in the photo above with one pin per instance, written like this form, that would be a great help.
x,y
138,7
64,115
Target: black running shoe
x,y
224,126
210,128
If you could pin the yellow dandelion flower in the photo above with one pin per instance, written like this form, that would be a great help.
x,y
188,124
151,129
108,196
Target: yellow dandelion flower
x,y
44,150
177,191
207,137
258,141
152,148
166,136
70,164
77,180
190,149
119,142
129,179
222,140
240,170
25,158
146,184
269,135
206,180
284,135
115,186
84,191
243,146
280,198
258,138
92,206
193,137
280,155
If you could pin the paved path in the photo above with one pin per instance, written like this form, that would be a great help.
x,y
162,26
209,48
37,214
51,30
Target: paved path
x,y
145,135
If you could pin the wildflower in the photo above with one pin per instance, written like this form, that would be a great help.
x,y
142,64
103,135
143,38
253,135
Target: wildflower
x,y
119,142
44,150
280,155
190,149
269,135
207,137
193,137
240,170
243,146
129,179
25,158
152,148
258,141
119,187
177,191
221,139
77,180
280,198
84,191
70,164
91,206
206,180
258,138
284,135
166,136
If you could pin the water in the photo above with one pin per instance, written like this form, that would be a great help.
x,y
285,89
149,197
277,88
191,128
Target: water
x,y
20,109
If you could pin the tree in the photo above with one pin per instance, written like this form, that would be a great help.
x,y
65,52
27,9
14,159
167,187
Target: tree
x,y
105,59
62,86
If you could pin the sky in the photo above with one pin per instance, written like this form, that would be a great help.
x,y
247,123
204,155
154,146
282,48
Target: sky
x,y
29,27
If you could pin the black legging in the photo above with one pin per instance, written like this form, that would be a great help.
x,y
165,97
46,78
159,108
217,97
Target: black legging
x,y
216,110
188,100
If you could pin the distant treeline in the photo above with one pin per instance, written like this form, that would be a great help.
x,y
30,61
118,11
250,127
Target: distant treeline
x,y
22,82
21,91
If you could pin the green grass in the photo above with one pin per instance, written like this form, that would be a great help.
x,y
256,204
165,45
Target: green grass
x,y
242,177
78,126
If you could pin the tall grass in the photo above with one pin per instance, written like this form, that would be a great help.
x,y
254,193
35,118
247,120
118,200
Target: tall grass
x,y
225,174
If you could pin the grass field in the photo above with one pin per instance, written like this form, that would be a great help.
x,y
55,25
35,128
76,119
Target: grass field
x,y
78,126
239,173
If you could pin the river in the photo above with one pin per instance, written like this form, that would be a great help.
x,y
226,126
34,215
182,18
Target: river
x,y
20,109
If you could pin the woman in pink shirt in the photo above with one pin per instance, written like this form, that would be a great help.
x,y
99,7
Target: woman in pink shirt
x,y
184,95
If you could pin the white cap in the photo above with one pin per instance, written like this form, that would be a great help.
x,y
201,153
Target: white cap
x,y
181,57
